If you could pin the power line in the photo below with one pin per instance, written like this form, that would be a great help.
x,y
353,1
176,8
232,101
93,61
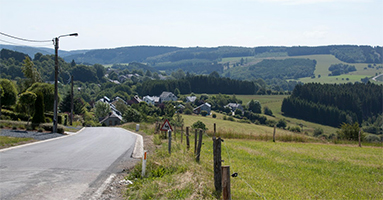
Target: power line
x,y
23,39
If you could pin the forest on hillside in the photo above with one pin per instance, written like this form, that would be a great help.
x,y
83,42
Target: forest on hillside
x,y
332,104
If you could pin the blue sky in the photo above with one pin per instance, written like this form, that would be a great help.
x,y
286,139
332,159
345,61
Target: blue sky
x,y
190,23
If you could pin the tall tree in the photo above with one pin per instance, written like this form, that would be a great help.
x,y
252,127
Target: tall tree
x,y
27,100
10,92
30,73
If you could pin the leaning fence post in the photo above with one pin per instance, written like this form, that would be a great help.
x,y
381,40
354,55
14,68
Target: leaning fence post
x,y
226,193
274,134
195,142
170,142
187,138
360,145
217,164
199,146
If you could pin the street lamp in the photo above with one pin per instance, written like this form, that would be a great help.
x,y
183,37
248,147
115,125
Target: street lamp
x,y
56,43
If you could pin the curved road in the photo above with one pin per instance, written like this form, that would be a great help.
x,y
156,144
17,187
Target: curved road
x,y
72,167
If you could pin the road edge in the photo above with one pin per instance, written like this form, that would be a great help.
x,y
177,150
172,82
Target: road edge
x,y
138,150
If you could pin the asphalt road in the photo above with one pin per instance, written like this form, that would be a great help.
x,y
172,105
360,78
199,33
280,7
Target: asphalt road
x,y
72,167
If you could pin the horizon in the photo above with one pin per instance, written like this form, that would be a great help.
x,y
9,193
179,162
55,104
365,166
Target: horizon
x,y
185,23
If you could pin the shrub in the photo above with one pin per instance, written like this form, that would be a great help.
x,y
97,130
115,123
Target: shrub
x,y
372,138
199,125
39,116
318,132
238,112
271,123
231,119
188,111
204,113
224,118
214,115
295,129
282,123
267,111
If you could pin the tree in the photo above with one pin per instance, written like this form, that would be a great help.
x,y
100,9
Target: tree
x,y
178,121
214,74
349,131
177,92
148,73
30,73
102,109
27,100
267,111
38,116
9,92
169,110
73,63
254,106
132,115
100,71
48,93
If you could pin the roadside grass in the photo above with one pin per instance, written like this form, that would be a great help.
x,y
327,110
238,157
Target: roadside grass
x,y
6,141
273,170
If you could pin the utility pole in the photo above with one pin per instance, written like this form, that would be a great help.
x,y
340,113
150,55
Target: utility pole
x,y
71,100
56,43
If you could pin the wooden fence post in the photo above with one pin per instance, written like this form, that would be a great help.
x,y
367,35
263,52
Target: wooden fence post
x,y
187,138
214,129
195,142
274,134
217,164
226,193
170,142
360,144
199,146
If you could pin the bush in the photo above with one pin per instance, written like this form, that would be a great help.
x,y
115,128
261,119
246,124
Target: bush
x,y
295,129
39,116
318,132
214,115
267,111
188,111
224,118
238,112
204,113
231,119
49,127
372,138
271,122
199,125
282,123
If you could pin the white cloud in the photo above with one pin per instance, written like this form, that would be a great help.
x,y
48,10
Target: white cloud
x,y
317,33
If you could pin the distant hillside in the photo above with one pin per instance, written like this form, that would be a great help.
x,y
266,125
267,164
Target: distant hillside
x,y
31,51
120,55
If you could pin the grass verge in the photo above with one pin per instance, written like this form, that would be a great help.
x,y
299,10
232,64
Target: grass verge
x,y
6,141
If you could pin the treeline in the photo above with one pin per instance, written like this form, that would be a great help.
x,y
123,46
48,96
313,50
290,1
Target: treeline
x,y
198,84
338,69
345,53
196,66
334,104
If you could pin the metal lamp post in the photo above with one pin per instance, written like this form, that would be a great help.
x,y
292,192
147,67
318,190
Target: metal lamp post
x,y
56,43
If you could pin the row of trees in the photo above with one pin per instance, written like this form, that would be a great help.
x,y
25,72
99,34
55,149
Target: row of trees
x,y
338,69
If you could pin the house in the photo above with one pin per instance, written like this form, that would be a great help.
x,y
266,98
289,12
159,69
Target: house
x,y
149,100
191,99
112,119
234,106
205,106
167,96
135,100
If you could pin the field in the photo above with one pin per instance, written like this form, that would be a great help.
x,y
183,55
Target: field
x,y
266,170
303,171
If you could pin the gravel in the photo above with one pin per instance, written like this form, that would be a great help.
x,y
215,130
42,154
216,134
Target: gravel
x,y
29,134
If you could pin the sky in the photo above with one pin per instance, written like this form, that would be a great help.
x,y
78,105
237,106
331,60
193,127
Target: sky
x,y
191,23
